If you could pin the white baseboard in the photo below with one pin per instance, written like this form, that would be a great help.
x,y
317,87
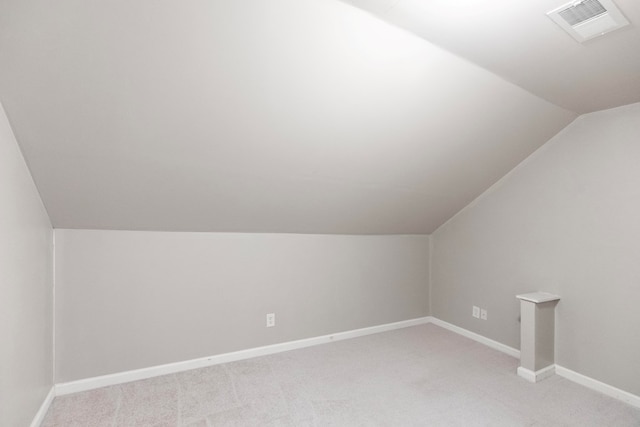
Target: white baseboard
x,y
607,389
42,412
538,375
477,337
588,382
154,371
171,368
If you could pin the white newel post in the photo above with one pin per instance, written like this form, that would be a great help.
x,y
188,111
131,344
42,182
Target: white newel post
x,y
537,335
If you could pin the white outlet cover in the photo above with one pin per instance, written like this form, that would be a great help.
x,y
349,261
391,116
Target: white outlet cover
x,y
476,312
271,320
483,314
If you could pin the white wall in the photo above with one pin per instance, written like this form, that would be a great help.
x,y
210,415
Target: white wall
x,y
128,300
26,289
567,221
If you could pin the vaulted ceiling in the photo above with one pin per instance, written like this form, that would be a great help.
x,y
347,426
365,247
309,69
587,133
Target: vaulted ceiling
x,y
517,41
277,115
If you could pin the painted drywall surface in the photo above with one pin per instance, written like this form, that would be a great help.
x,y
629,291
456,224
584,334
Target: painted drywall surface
x,y
26,288
128,300
565,221
517,41
192,116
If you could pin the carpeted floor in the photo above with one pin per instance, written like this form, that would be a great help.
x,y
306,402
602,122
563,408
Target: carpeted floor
x,y
418,376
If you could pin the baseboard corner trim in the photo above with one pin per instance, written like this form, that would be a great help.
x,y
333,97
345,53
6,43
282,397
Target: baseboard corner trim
x,y
596,385
477,337
44,408
537,376
172,368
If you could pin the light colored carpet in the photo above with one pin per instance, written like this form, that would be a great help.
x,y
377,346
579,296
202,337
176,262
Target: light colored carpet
x,y
418,376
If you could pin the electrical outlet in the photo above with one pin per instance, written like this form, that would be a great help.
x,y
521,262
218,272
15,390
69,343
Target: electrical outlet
x,y
476,312
271,320
483,314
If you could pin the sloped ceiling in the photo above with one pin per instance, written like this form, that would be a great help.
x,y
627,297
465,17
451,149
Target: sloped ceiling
x,y
253,116
517,41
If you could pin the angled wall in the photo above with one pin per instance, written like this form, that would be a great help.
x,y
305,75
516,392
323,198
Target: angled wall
x,y
26,289
194,116
566,221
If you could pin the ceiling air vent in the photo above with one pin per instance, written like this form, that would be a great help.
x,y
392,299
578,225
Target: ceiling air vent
x,y
587,19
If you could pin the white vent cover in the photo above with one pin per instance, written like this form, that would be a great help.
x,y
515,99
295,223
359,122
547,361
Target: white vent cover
x,y
587,19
